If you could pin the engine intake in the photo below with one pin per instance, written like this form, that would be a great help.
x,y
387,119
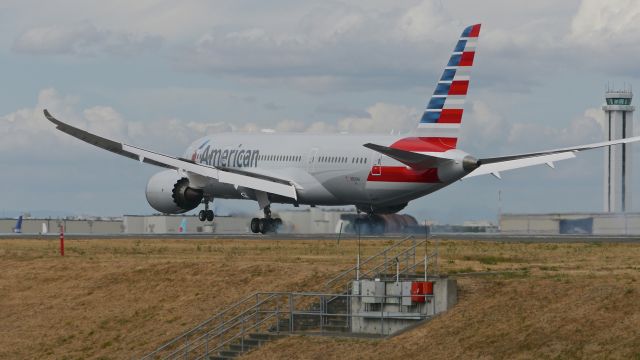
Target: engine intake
x,y
169,193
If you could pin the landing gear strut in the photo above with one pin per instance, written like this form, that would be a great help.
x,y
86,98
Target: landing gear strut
x,y
206,214
369,225
266,224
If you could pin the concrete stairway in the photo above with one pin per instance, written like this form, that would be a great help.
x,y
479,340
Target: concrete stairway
x,y
248,343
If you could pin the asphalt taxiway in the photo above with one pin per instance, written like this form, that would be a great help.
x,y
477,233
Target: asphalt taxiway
x,y
257,237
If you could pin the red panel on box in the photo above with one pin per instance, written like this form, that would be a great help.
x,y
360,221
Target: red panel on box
x,y
427,287
416,292
419,289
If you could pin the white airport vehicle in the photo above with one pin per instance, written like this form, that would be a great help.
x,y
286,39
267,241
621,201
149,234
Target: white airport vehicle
x,y
376,173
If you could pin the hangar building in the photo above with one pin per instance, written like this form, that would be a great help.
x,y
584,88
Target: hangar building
x,y
574,223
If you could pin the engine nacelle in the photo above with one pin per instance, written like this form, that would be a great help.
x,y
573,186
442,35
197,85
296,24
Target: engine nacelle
x,y
169,193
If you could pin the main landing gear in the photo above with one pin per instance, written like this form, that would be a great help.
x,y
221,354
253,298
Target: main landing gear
x,y
266,224
206,214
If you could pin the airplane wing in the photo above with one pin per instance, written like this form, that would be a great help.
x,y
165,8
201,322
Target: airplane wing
x,y
503,163
237,178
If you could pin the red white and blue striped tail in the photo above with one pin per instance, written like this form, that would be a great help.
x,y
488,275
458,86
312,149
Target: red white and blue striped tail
x,y
442,117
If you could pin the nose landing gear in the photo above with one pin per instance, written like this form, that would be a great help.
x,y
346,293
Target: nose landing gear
x,y
206,214
266,224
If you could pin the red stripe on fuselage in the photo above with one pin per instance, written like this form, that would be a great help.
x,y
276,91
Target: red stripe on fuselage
x,y
426,144
404,174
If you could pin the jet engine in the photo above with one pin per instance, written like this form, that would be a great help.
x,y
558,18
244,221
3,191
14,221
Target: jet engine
x,y
169,193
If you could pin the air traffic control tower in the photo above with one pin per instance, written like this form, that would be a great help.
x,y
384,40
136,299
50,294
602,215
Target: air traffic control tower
x,y
617,159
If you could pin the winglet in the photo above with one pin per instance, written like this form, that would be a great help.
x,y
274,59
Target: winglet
x,y
47,114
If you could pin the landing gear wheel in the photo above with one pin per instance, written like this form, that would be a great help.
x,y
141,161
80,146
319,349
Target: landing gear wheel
x,y
255,225
202,216
277,222
209,215
263,225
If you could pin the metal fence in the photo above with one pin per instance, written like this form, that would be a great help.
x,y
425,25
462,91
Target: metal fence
x,y
281,313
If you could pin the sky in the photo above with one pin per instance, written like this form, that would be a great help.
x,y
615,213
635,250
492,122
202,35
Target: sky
x,y
160,74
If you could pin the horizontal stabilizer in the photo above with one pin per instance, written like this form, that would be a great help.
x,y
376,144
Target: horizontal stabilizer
x,y
414,160
511,162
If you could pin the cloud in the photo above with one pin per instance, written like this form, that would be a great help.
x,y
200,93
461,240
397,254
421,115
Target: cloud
x,y
605,35
382,118
331,45
83,39
484,128
606,22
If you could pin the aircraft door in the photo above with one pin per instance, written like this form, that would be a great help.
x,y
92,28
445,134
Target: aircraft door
x,y
312,159
376,161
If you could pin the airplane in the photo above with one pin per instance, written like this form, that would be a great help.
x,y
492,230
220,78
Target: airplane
x,y
377,173
18,228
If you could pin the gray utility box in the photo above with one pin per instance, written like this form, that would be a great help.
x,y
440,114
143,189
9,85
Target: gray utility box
x,y
406,293
384,308
373,292
394,291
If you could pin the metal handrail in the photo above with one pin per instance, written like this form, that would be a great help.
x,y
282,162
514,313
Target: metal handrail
x,y
412,267
223,330
405,253
346,272
242,333
199,342
206,322
218,327
199,348
197,327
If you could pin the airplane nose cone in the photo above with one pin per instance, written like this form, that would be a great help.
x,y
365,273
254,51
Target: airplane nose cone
x,y
469,163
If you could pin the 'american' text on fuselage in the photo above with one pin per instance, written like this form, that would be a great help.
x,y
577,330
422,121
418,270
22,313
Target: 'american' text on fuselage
x,y
228,157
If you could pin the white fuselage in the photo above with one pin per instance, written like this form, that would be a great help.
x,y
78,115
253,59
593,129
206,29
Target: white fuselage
x,y
333,169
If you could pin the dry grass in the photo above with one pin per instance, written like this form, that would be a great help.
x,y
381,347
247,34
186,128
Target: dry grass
x,y
115,299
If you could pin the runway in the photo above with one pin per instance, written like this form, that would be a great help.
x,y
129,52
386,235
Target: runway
x,y
493,237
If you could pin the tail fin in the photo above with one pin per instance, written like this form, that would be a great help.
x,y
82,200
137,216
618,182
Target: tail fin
x,y
183,226
18,228
442,118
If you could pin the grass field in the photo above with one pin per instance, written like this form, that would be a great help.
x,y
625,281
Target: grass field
x,y
115,299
